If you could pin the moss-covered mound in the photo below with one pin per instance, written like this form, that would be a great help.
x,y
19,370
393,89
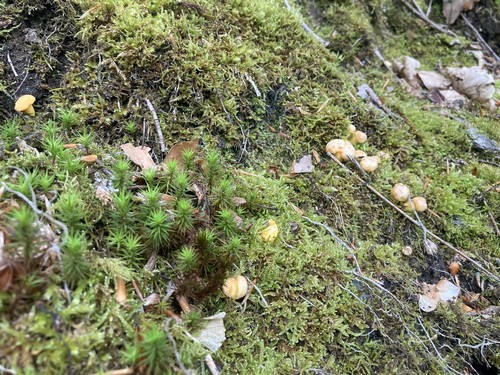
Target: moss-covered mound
x,y
116,239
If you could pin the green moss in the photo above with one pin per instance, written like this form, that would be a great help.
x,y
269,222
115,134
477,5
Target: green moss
x,y
259,92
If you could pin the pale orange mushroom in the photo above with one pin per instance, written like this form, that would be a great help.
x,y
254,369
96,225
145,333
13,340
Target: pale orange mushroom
x,y
24,104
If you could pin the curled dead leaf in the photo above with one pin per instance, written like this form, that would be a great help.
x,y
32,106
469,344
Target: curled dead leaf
x,y
139,155
433,80
121,291
406,67
304,165
176,151
473,82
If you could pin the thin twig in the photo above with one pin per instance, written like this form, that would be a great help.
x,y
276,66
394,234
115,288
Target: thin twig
x,y
11,65
255,88
307,28
412,220
24,79
36,210
480,38
211,365
174,346
163,148
420,14
429,8
332,233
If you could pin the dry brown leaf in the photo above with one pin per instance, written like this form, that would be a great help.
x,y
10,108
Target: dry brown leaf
x,y
168,198
200,192
316,156
473,82
304,165
432,294
89,159
433,80
6,276
238,201
70,145
176,151
407,67
453,8
121,291
152,300
139,155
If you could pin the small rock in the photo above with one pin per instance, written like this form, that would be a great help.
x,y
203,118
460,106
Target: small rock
x,y
481,142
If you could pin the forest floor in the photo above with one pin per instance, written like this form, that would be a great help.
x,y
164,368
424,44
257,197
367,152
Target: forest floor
x,y
181,146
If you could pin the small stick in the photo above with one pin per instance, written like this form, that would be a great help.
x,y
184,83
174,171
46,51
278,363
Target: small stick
x,y
412,220
332,233
255,88
494,223
163,148
11,65
24,79
307,28
36,210
420,14
211,365
480,38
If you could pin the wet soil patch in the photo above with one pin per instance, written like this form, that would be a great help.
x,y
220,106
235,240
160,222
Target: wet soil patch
x,y
34,56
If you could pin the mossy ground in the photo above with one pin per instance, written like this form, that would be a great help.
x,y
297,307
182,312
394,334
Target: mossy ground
x,y
92,67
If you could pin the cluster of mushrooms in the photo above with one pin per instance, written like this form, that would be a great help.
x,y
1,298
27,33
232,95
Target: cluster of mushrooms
x,y
344,151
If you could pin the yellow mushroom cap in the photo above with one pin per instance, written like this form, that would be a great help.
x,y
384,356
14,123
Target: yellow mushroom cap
x,y
359,136
235,287
341,149
369,164
360,154
24,102
351,129
400,192
418,204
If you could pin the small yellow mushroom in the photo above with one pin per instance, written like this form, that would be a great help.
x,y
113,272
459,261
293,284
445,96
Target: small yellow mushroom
x,y
341,149
235,287
360,154
358,137
271,232
369,164
418,204
351,129
400,192
25,105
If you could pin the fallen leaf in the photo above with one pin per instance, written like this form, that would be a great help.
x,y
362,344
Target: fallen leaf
x,y
176,151
447,290
453,99
238,201
304,165
427,303
70,145
6,276
121,291
89,159
152,300
433,80
213,334
316,156
271,232
432,294
168,198
473,82
406,67
200,192
453,8
139,155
